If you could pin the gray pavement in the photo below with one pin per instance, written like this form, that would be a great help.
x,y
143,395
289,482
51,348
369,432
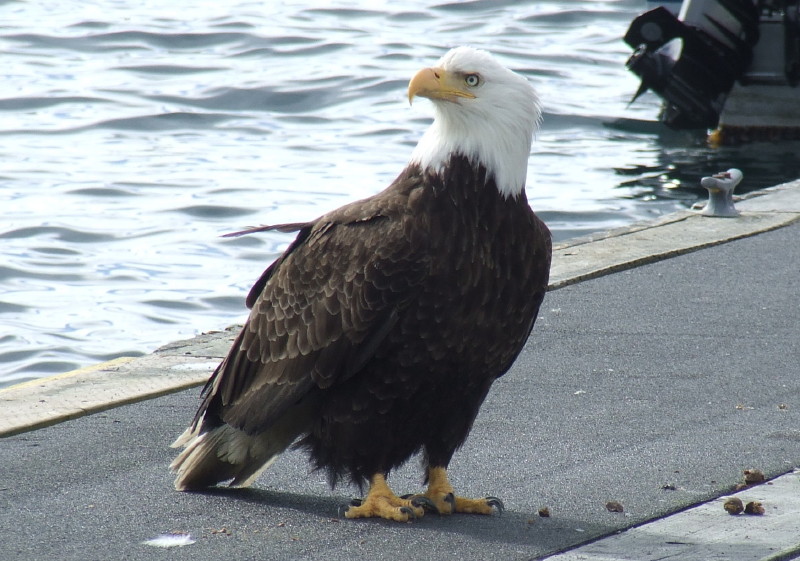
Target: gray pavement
x,y
654,386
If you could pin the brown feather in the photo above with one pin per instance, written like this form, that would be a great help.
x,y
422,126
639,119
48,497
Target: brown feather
x,y
412,300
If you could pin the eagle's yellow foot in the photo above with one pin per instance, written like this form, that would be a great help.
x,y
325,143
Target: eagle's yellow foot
x,y
441,494
381,502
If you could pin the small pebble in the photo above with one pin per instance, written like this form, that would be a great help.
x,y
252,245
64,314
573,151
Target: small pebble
x,y
734,505
614,506
753,476
754,508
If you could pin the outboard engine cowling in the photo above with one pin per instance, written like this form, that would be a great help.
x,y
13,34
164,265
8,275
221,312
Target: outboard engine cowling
x,y
692,61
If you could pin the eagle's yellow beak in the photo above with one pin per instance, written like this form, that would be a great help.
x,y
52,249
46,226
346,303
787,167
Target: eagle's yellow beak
x,y
437,83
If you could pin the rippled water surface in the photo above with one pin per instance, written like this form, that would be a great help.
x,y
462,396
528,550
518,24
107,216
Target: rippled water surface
x,y
133,134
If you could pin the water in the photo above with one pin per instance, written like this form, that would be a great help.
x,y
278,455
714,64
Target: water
x,y
133,134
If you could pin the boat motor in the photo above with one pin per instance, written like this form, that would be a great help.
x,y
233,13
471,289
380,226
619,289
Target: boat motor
x,y
692,61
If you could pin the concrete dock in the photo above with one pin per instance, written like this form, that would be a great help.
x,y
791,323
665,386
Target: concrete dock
x,y
665,362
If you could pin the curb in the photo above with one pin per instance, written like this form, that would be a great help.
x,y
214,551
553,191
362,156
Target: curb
x,y
706,531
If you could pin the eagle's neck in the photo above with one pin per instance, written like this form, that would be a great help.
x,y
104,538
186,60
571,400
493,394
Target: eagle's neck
x,y
499,142
463,181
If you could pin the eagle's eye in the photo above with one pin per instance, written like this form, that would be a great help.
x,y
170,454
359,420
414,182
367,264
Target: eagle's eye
x,y
472,80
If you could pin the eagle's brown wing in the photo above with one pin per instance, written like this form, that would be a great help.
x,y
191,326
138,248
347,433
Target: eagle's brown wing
x,y
319,312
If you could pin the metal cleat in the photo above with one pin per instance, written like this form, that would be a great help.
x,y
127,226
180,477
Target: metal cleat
x,y
720,193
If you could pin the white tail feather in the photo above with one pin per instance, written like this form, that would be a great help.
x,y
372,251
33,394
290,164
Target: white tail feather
x,y
222,454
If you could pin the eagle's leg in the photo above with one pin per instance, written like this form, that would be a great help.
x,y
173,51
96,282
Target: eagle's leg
x,y
441,494
381,502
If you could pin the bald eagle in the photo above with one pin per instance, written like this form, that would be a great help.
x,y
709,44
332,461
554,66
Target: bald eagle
x,y
379,331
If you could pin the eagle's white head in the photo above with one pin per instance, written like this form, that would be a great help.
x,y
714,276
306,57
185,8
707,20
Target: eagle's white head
x,y
483,110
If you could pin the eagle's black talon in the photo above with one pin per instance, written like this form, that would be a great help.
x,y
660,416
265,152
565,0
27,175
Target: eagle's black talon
x,y
450,498
356,502
342,510
407,496
496,503
425,503
410,511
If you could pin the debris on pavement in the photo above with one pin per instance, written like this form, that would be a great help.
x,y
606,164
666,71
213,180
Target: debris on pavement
x,y
753,476
177,539
734,506
754,508
614,506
